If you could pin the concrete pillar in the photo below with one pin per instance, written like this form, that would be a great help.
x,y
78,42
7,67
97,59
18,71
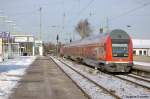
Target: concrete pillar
x,y
33,50
18,50
1,50
41,50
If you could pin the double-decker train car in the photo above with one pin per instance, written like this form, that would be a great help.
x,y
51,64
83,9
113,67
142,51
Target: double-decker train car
x,y
110,51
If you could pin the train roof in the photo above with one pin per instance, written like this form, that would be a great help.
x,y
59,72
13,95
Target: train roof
x,y
119,34
88,40
115,34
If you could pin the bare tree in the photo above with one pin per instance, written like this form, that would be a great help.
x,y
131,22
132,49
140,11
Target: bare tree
x,y
83,28
49,47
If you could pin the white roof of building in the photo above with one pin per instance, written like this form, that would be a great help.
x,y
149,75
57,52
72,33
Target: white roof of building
x,y
22,35
141,43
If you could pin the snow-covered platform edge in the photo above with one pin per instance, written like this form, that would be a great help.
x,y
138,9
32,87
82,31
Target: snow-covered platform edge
x,y
142,63
9,79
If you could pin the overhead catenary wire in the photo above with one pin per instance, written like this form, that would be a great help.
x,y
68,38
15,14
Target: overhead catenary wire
x,y
81,11
130,11
77,15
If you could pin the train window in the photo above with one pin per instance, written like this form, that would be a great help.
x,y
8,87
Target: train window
x,y
120,50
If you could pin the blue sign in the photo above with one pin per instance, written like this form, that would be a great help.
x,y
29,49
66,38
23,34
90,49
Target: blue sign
x,y
5,34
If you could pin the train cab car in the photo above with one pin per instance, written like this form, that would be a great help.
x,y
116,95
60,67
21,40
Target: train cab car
x,y
119,56
110,51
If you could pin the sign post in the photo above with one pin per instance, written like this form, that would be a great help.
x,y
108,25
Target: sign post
x,y
57,38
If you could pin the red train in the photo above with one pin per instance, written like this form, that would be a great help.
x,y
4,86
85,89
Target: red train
x,y
111,51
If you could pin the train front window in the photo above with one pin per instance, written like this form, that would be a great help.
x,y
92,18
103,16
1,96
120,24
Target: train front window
x,y
120,50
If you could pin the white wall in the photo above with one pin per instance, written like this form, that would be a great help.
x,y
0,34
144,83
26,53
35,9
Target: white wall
x,y
41,50
138,52
148,52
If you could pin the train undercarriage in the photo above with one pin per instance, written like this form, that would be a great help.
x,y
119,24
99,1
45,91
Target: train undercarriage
x,y
103,65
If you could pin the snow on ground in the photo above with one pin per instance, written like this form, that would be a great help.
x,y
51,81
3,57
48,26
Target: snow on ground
x,y
93,91
141,82
11,72
122,88
141,63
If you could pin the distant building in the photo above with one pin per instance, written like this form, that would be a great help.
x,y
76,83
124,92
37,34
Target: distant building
x,y
26,44
5,45
141,47
39,47
12,46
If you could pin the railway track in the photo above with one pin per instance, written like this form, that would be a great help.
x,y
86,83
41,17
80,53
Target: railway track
x,y
134,80
143,72
110,92
139,77
115,85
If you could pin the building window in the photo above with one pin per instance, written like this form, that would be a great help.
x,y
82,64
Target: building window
x,y
140,52
134,52
145,53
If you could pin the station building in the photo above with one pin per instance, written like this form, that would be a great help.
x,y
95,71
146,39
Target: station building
x,y
28,45
141,47
19,45
38,47
5,45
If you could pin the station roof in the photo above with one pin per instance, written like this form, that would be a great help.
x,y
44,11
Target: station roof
x,y
23,35
23,38
141,43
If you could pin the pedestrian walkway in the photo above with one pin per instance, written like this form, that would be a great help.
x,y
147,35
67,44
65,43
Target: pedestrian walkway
x,y
44,80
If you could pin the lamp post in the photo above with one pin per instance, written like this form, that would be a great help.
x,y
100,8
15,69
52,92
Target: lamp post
x,y
13,28
57,38
3,22
9,44
7,25
40,34
3,18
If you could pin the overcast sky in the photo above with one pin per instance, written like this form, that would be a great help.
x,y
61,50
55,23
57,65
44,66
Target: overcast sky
x,y
120,13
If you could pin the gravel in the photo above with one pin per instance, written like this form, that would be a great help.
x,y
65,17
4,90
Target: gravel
x,y
120,87
91,89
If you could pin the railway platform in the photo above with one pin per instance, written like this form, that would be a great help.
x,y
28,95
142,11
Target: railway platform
x,y
142,58
142,70
141,66
45,80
